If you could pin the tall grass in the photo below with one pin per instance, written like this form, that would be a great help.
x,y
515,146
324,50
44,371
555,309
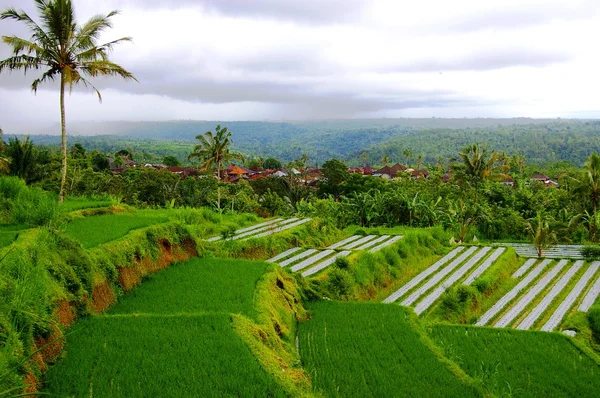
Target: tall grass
x,y
21,204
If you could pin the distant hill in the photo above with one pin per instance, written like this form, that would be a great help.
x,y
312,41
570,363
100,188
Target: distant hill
x,y
541,140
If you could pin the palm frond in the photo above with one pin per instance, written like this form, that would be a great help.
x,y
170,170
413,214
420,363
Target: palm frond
x,y
21,62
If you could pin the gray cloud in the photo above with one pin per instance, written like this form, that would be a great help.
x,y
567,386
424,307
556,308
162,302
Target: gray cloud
x,y
302,11
486,60
511,18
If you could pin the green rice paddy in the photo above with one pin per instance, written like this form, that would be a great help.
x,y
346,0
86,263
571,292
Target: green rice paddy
x,y
96,230
371,350
518,363
197,285
171,337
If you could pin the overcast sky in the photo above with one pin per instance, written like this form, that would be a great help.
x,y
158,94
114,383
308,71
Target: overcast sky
x,y
312,59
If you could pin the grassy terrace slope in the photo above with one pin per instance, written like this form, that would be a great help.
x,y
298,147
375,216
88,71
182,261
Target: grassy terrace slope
x,y
170,337
519,363
373,350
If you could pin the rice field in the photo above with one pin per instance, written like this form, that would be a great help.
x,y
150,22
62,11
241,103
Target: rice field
x,y
371,350
461,266
264,229
96,230
548,290
518,363
311,261
196,286
72,204
158,356
170,337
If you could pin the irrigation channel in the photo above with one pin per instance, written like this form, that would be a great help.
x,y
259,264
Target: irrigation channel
x,y
546,292
311,261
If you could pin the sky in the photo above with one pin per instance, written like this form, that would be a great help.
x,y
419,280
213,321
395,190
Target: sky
x,y
328,59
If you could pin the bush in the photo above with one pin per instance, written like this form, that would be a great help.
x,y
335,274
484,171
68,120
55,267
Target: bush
x,y
591,252
342,263
594,320
26,205
341,283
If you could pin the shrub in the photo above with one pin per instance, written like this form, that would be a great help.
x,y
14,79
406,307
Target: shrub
x,y
591,252
341,283
342,263
482,285
594,320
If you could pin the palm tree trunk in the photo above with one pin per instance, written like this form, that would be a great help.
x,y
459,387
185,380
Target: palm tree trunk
x,y
63,148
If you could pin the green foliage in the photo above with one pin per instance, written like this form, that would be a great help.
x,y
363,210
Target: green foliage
x,y
591,252
357,350
26,205
512,362
171,160
334,172
342,263
593,317
372,276
340,284
272,164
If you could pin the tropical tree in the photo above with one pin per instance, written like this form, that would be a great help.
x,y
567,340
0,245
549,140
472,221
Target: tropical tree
x,y
542,232
65,50
592,168
477,165
385,160
214,151
408,154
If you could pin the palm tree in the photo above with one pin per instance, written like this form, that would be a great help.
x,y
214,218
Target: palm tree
x,y
592,167
385,160
363,157
408,154
213,150
476,164
542,233
65,50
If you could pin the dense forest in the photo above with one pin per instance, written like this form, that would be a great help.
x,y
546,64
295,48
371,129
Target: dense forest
x,y
540,141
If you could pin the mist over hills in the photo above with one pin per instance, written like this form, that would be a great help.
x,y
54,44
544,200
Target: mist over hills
x,y
539,140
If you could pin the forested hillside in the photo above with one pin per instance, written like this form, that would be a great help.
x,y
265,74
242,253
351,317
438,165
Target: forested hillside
x,y
541,141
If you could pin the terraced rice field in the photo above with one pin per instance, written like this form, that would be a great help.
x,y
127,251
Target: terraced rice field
x,y
461,265
264,229
557,251
170,337
547,292
96,230
515,363
311,261
371,350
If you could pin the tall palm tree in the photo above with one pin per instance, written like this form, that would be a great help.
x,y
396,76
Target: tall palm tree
x,y
62,49
592,167
213,150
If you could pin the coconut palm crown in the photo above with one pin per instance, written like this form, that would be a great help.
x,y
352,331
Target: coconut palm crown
x,y
64,50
